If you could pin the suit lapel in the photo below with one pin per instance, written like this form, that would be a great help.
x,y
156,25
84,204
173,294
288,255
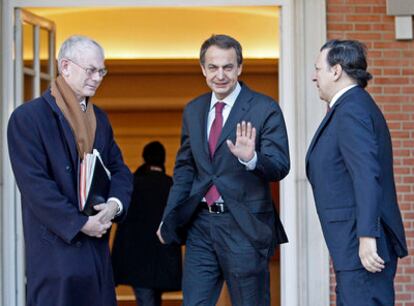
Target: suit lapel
x,y
325,121
240,107
69,138
318,133
198,128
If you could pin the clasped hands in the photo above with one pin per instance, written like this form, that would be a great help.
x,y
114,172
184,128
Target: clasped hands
x,y
98,225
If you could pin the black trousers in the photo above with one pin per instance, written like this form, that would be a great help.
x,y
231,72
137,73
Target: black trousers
x,y
217,251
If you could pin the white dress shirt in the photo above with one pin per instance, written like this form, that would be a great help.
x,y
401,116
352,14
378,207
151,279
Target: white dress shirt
x,y
229,102
83,105
339,94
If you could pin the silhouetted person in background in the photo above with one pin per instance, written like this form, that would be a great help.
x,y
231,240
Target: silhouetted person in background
x,y
139,259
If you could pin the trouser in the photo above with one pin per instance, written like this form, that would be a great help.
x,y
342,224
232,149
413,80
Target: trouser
x,y
147,296
362,288
217,251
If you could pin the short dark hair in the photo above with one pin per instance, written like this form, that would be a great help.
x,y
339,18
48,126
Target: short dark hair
x,y
352,57
223,42
154,154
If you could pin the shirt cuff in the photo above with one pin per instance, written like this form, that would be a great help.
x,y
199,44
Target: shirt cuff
x,y
251,164
120,206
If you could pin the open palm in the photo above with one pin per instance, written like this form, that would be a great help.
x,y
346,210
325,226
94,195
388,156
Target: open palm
x,y
244,147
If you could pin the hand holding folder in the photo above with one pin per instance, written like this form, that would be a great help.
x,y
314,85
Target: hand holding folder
x,y
94,183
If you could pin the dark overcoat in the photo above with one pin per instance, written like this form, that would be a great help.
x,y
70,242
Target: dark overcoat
x,y
64,267
139,259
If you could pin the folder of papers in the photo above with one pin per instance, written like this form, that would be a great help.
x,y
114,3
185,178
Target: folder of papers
x,y
94,183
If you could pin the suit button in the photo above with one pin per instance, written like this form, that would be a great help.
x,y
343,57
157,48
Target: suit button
x,y
68,168
78,244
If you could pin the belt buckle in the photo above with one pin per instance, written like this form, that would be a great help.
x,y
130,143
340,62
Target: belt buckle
x,y
220,207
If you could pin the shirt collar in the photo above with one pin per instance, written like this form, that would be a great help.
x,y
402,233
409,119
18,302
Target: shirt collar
x,y
229,100
339,94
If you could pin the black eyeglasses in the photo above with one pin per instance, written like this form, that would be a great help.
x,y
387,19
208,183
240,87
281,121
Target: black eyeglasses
x,y
91,71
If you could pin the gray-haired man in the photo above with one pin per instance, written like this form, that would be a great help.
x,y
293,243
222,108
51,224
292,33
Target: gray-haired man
x,y
67,253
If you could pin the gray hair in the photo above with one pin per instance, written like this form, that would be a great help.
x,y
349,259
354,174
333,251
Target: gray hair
x,y
73,47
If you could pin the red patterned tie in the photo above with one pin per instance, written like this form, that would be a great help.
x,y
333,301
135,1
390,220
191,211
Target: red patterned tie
x,y
212,194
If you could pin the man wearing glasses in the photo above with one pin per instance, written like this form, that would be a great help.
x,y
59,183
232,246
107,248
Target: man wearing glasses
x,y
67,253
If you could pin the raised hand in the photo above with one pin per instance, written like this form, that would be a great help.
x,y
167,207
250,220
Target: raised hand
x,y
244,147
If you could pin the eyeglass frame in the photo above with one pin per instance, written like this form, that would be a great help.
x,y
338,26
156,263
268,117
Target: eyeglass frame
x,y
90,71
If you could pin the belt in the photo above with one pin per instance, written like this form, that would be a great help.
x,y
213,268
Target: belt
x,y
215,208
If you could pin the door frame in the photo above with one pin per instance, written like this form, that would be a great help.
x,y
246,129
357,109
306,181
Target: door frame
x,y
304,260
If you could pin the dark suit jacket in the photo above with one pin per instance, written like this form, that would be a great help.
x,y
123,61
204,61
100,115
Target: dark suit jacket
x,y
350,167
64,267
138,257
246,193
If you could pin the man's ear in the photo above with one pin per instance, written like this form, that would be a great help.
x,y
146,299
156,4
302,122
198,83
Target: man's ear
x,y
239,69
64,66
337,72
203,69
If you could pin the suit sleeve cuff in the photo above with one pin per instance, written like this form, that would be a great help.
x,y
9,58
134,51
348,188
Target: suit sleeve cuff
x,y
251,164
370,231
119,203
